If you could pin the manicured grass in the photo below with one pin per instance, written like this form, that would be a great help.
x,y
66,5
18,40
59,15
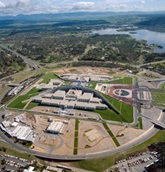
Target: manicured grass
x,y
124,80
125,109
18,102
100,164
111,135
48,77
140,124
75,151
31,105
158,97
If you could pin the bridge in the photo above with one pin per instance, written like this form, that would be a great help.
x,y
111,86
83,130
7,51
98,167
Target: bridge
x,y
158,123
155,122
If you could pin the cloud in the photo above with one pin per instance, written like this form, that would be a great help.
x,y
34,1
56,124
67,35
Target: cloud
x,y
2,5
83,5
22,3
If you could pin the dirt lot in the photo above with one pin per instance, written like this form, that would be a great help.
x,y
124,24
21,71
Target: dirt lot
x,y
83,70
128,133
103,142
92,136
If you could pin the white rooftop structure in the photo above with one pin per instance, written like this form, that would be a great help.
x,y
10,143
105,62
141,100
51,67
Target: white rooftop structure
x,y
19,118
21,132
55,127
55,82
59,94
30,169
85,97
6,123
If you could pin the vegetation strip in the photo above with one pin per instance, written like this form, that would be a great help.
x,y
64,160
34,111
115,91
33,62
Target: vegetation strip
x,y
75,152
140,123
111,135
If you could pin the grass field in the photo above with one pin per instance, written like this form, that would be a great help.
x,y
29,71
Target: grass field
x,y
126,111
140,124
18,102
48,77
31,105
158,98
75,151
100,164
124,80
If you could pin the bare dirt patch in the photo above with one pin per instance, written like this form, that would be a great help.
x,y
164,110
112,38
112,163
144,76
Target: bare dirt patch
x,y
83,70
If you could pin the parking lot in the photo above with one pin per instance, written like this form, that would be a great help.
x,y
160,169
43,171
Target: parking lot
x,y
12,163
135,163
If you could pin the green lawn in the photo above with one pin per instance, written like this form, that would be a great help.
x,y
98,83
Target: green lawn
x,y
46,78
18,102
75,151
124,80
140,124
100,164
31,105
125,109
158,97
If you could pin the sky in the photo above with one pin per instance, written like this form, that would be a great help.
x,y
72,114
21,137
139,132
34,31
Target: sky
x,y
15,7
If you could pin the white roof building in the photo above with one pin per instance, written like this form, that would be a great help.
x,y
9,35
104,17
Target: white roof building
x,y
30,169
55,127
21,132
6,123
85,97
59,94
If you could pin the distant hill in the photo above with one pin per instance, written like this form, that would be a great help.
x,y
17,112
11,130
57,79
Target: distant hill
x,y
70,16
153,21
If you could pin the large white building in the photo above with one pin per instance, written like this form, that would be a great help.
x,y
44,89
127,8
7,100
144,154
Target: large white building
x,y
71,99
55,127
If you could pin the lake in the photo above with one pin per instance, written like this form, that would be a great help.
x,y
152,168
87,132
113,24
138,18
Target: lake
x,y
151,37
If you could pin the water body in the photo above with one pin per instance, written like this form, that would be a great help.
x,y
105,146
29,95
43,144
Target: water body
x,y
151,37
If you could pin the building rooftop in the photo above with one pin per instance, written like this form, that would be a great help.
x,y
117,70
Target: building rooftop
x,y
59,93
55,126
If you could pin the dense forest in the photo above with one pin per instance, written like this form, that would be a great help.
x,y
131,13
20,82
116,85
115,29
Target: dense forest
x,y
153,22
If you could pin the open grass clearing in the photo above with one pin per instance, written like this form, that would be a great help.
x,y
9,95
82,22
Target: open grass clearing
x,y
46,78
125,109
18,102
123,80
158,97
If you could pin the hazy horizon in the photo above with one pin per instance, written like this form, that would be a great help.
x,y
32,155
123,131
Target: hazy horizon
x,y
16,7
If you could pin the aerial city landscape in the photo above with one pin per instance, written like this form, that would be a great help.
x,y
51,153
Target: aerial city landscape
x,y
82,86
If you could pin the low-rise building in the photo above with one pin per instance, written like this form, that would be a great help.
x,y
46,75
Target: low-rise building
x,y
59,94
55,127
